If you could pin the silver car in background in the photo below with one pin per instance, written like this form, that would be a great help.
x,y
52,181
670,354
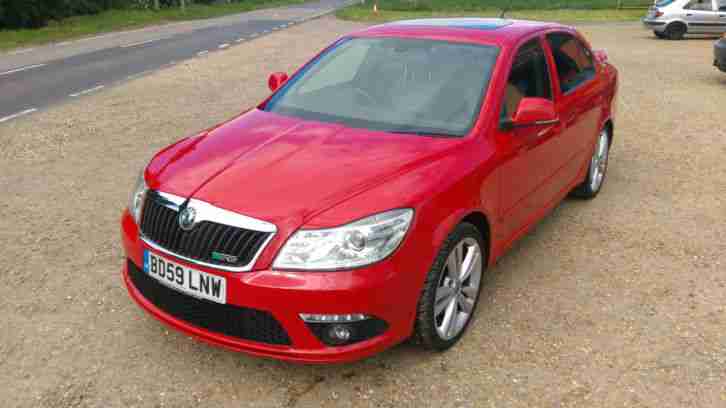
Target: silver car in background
x,y
673,19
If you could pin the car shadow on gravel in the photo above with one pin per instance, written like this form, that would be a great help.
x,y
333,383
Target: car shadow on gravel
x,y
718,79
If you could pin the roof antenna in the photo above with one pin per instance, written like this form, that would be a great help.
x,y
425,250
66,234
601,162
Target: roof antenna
x,y
506,9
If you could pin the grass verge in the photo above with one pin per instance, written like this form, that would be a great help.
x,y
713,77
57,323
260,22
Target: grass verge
x,y
365,13
115,20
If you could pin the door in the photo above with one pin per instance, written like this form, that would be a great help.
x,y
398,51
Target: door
x,y
721,11
702,17
529,152
578,105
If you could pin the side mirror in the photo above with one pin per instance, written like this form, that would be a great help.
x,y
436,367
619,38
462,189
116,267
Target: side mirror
x,y
276,79
532,112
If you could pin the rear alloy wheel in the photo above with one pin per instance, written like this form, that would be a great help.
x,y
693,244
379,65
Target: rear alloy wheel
x,y
452,288
676,31
597,170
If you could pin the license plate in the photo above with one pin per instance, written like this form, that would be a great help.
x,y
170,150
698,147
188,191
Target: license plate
x,y
186,280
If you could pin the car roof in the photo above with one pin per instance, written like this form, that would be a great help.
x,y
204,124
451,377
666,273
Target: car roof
x,y
475,30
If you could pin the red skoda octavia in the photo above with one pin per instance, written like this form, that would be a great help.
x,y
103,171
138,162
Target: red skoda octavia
x,y
362,202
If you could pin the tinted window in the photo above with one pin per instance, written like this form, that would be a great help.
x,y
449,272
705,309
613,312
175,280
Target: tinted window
x,y
703,5
721,5
392,84
572,59
529,77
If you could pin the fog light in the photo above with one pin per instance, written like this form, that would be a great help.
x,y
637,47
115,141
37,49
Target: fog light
x,y
339,334
344,329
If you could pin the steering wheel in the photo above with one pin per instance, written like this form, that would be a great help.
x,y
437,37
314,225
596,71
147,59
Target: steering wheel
x,y
365,94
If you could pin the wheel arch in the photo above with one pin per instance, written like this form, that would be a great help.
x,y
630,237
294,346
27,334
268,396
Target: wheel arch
x,y
481,222
474,216
610,126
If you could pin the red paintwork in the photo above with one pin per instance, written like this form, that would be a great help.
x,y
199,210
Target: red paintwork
x,y
296,173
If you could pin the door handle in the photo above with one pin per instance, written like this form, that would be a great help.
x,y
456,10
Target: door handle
x,y
545,132
689,15
571,119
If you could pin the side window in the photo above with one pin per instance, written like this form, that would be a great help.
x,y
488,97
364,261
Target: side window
x,y
702,5
573,60
529,77
721,5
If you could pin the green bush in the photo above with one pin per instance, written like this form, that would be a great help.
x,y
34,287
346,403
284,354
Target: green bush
x,y
473,5
37,13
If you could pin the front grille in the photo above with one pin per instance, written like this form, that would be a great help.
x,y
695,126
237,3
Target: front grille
x,y
160,224
233,321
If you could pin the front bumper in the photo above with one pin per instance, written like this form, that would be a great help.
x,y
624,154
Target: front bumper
x,y
380,290
719,55
654,25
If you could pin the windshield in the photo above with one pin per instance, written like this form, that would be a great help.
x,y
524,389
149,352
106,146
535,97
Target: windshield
x,y
392,84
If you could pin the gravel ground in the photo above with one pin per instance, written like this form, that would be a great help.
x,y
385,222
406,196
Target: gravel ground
x,y
614,302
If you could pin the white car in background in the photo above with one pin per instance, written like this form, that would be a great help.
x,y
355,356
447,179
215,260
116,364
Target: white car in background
x,y
673,19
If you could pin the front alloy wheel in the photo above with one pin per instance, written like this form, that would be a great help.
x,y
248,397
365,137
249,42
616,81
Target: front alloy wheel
x,y
452,289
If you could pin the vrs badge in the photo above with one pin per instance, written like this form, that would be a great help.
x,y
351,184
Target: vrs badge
x,y
230,259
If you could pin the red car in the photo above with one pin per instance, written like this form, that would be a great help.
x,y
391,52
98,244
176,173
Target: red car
x,y
361,203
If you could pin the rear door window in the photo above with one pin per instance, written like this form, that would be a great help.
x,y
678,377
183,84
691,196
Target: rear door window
x,y
573,60
700,5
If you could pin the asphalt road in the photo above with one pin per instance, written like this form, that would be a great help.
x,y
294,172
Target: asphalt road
x,y
33,79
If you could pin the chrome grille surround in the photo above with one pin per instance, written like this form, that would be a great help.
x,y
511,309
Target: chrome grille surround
x,y
208,212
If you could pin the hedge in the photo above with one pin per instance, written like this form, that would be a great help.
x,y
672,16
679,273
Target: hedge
x,y
37,13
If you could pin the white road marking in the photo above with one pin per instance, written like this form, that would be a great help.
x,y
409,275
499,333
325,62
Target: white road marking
x,y
265,31
253,35
138,74
87,91
141,43
12,71
201,53
96,37
22,51
223,46
17,115
239,40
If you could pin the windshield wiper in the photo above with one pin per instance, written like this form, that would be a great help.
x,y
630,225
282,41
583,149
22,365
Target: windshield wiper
x,y
421,132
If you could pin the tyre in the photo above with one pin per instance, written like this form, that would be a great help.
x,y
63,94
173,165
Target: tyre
x,y
676,31
451,291
659,35
598,168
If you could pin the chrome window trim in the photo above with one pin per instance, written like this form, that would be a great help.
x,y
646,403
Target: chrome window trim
x,y
209,212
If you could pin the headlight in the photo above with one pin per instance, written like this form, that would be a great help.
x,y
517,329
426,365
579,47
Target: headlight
x,y
138,194
357,244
